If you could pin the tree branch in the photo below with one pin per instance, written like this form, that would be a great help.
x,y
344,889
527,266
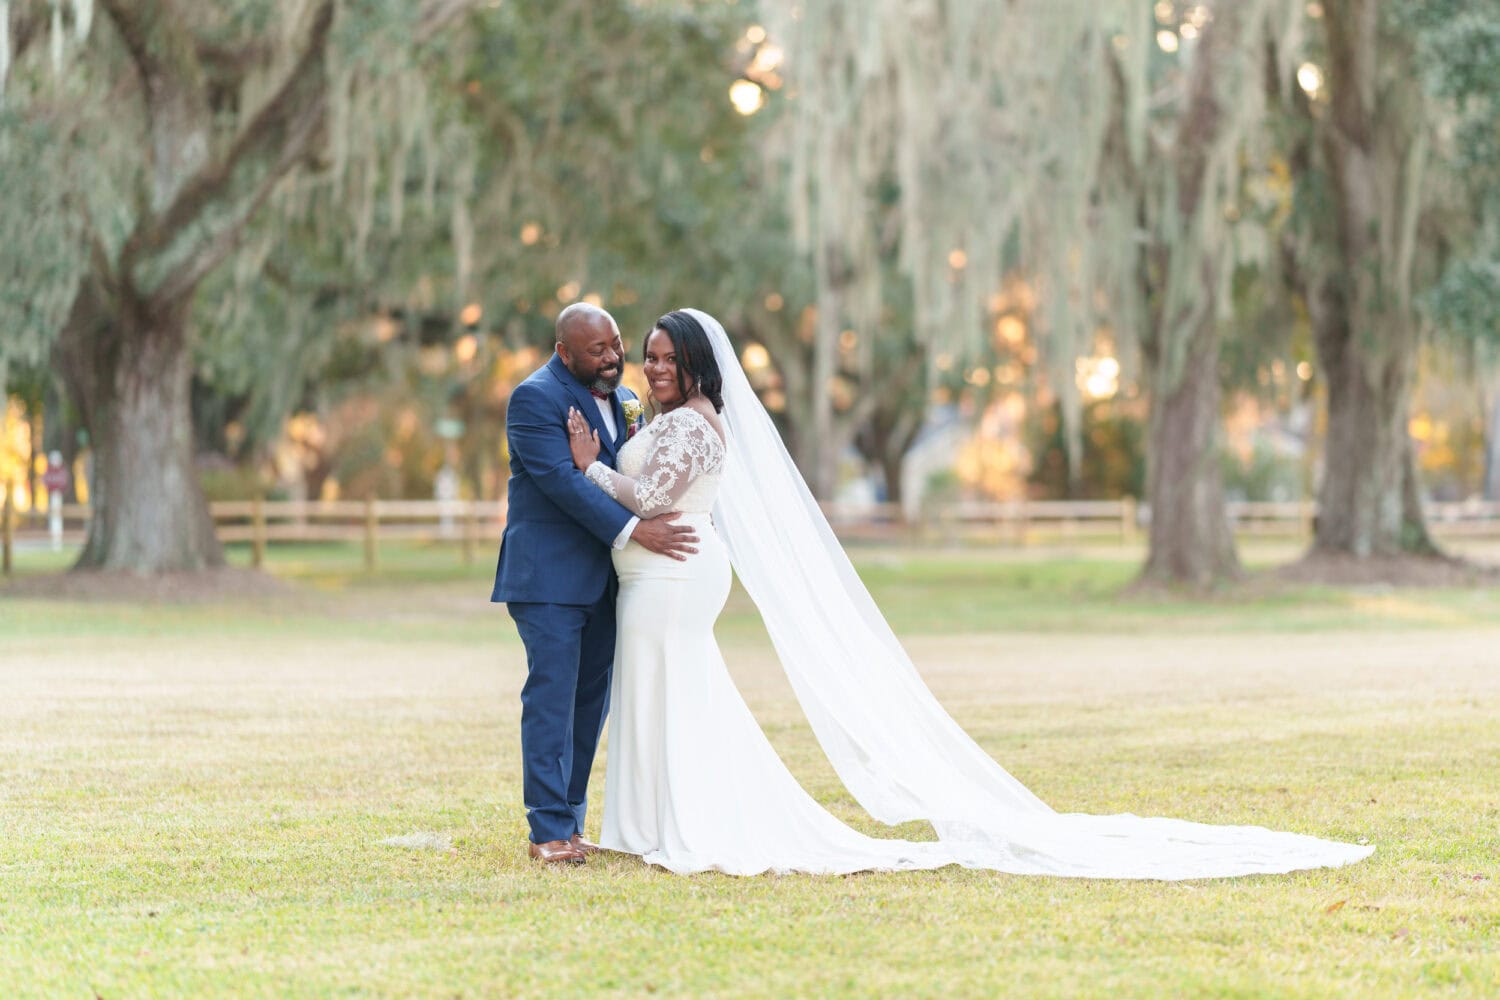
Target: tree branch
x,y
1202,122
26,22
174,251
166,58
1350,30
437,15
227,64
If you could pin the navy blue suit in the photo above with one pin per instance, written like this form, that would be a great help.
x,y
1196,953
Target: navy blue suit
x,y
558,583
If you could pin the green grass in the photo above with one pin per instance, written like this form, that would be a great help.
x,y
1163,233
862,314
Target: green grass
x,y
417,587
194,796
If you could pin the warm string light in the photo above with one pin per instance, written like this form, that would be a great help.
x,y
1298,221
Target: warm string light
x,y
1098,377
1310,79
746,96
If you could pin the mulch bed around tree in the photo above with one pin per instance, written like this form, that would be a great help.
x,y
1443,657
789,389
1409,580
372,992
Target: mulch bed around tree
x,y
1325,569
210,585
1392,571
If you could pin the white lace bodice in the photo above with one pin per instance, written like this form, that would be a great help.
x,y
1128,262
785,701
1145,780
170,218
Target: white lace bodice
x,y
673,464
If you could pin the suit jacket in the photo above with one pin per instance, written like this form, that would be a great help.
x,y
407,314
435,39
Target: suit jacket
x,y
560,527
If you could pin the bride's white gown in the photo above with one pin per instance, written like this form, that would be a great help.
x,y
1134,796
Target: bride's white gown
x,y
692,783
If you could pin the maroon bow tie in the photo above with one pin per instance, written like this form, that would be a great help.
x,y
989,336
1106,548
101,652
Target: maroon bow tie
x,y
598,395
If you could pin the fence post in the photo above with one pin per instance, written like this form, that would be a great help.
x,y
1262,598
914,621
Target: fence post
x,y
258,531
371,528
7,529
1127,519
471,530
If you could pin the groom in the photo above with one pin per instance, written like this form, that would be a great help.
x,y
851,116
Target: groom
x,y
555,574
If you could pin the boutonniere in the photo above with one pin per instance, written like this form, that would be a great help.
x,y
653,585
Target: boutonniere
x,y
633,411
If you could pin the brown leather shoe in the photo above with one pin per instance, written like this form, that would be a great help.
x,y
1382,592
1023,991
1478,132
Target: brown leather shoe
x,y
584,846
555,852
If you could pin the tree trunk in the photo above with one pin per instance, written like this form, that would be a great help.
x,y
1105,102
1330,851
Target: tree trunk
x,y
1414,534
892,471
150,514
795,380
1373,138
130,371
1492,444
887,436
880,444
822,474
1190,539
814,432
1368,504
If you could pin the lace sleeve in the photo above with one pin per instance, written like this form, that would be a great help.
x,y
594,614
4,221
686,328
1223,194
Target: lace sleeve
x,y
686,447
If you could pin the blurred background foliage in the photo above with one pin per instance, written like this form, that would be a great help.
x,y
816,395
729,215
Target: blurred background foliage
x,y
946,237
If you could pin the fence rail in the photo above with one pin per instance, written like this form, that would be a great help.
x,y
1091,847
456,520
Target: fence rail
x,y
468,524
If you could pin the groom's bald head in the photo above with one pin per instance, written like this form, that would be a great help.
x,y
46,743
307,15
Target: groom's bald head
x,y
588,341
581,319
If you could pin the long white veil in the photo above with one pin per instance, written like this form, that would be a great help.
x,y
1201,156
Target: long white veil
x,y
893,745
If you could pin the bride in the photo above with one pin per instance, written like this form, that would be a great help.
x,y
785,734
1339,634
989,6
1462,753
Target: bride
x,y
692,784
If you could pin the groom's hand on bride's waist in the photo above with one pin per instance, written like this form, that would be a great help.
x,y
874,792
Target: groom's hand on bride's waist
x,y
660,535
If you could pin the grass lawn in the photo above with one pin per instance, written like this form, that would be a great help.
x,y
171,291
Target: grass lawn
x,y
194,796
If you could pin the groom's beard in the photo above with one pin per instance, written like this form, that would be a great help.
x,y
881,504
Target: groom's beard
x,y
602,384
596,382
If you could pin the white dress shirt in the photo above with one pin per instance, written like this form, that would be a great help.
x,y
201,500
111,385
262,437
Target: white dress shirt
x,y
607,414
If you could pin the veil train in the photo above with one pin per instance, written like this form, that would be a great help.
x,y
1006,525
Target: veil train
x,y
893,745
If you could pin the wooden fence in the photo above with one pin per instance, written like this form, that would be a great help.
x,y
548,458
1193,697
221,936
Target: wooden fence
x,y
1022,522
472,526
468,524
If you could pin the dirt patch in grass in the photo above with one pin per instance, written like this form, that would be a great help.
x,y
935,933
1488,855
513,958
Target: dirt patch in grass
x,y
225,583
1339,570
1324,569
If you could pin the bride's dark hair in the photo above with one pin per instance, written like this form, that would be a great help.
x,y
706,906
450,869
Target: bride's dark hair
x,y
696,365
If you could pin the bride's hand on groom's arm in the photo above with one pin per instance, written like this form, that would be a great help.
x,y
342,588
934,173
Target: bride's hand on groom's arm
x,y
660,535
583,442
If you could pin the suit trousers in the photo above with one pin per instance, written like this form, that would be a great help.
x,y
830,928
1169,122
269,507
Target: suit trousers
x,y
570,649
